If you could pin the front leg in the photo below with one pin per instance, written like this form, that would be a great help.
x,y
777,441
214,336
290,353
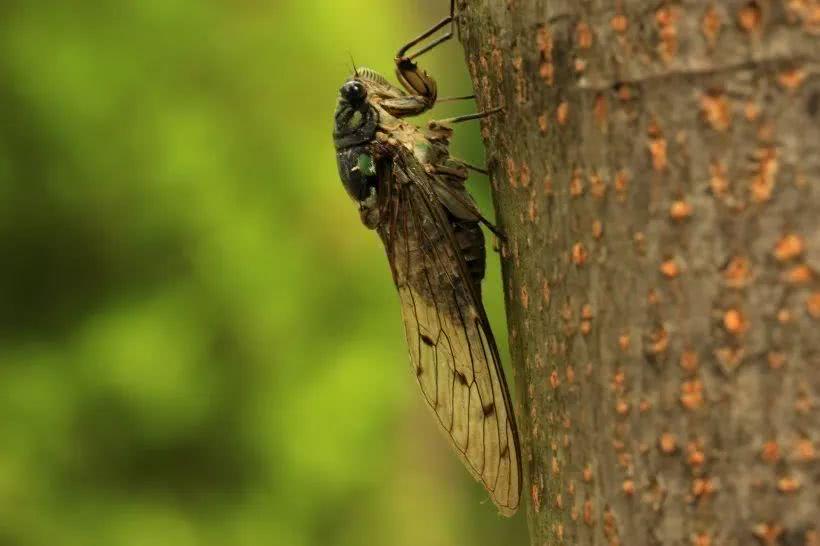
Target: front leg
x,y
418,83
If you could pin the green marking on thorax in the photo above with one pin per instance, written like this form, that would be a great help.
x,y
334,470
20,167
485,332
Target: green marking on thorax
x,y
366,165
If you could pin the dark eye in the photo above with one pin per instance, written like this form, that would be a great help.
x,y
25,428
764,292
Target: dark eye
x,y
353,92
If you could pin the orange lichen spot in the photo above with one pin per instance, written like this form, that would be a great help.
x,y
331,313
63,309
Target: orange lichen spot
x,y
710,25
597,229
536,498
555,380
512,172
768,533
813,305
570,374
804,450
588,513
657,147
576,183
624,342
621,407
562,113
545,291
628,487
586,327
763,180
776,360
653,297
807,11
559,531
583,35
547,72
559,501
623,91
579,254
799,274
525,297
543,123
749,17
751,110
718,181
716,109
580,65
689,361
548,190
524,177
666,15
621,184
666,18
784,316
587,474
619,23
788,247
695,457
701,539
770,452
702,487
532,208
586,311
644,406
788,484
692,394
737,272
734,322
791,78
639,240
543,40
668,443
597,185
611,528
670,269
658,341
730,358
497,59
555,465
680,210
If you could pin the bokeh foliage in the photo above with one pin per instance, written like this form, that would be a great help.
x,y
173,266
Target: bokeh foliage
x,y
199,342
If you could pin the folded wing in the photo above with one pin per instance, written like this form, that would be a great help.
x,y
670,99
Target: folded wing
x,y
452,349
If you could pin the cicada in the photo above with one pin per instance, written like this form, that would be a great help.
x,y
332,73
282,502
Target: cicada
x,y
412,192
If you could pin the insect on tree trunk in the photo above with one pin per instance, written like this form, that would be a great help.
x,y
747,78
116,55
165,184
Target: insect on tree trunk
x,y
656,171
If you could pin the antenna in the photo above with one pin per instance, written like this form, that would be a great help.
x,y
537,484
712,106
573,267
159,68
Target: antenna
x,y
355,70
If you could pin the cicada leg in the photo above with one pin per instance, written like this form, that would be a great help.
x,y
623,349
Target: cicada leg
x,y
418,83
453,173
467,117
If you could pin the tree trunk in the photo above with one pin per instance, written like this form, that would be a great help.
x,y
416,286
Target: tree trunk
x,y
656,172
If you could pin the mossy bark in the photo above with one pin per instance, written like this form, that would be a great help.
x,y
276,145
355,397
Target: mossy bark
x,y
657,173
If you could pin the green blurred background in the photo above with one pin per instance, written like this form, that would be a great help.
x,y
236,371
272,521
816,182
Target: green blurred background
x,y
199,342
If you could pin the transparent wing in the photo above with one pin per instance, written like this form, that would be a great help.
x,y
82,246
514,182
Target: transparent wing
x,y
451,346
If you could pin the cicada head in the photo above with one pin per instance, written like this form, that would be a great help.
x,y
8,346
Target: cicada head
x,y
355,119
354,129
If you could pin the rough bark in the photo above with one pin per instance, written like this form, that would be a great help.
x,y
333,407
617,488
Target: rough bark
x,y
656,171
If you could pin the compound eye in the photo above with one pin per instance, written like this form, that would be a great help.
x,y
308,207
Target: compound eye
x,y
353,92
